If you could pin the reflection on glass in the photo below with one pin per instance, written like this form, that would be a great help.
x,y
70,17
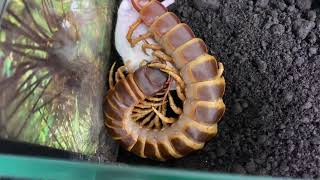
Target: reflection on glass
x,y
52,65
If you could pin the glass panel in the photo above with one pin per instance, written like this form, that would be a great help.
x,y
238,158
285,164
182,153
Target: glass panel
x,y
52,72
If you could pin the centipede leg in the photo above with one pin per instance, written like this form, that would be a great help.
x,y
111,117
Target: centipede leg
x,y
162,55
164,118
160,93
141,111
111,85
147,119
140,38
150,125
152,104
143,106
221,69
180,93
157,121
147,45
163,66
120,73
154,99
173,106
175,76
164,112
131,30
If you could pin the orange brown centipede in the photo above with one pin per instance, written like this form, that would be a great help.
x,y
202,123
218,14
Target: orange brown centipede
x,y
200,85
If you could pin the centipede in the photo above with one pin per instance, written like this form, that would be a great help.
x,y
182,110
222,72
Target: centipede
x,y
135,105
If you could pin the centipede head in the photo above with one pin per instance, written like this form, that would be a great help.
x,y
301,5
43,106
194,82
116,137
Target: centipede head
x,y
150,80
138,4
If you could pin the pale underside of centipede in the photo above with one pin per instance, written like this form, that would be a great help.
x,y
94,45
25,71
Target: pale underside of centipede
x,y
136,106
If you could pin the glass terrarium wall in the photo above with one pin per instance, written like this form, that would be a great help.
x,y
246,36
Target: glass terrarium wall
x,y
53,57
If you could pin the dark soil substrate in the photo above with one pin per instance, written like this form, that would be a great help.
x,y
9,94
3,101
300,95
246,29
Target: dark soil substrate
x,y
270,50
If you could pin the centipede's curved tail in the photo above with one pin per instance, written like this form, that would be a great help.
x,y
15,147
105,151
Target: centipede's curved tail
x,y
205,86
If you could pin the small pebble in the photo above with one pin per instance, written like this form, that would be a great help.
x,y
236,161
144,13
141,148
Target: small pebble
x,y
291,9
305,120
220,152
307,105
316,140
264,45
304,4
204,4
251,166
312,38
262,66
239,169
262,3
262,139
313,50
312,15
245,104
289,97
277,29
197,15
284,166
290,2
303,27
299,61
282,6
237,109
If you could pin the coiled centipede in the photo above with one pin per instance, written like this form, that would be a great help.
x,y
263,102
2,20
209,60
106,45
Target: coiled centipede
x,y
200,85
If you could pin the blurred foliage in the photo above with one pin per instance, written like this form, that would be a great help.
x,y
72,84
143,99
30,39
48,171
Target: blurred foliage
x,y
51,71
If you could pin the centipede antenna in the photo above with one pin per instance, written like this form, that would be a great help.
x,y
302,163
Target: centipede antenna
x,y
132,28
141,37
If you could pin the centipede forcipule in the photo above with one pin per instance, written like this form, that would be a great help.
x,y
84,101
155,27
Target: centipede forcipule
x,y
200,85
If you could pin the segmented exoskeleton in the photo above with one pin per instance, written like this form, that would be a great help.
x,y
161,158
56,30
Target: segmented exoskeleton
x,y
200,85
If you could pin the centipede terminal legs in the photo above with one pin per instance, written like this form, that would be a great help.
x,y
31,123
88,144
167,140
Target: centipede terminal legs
x,y
120,73
111,82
